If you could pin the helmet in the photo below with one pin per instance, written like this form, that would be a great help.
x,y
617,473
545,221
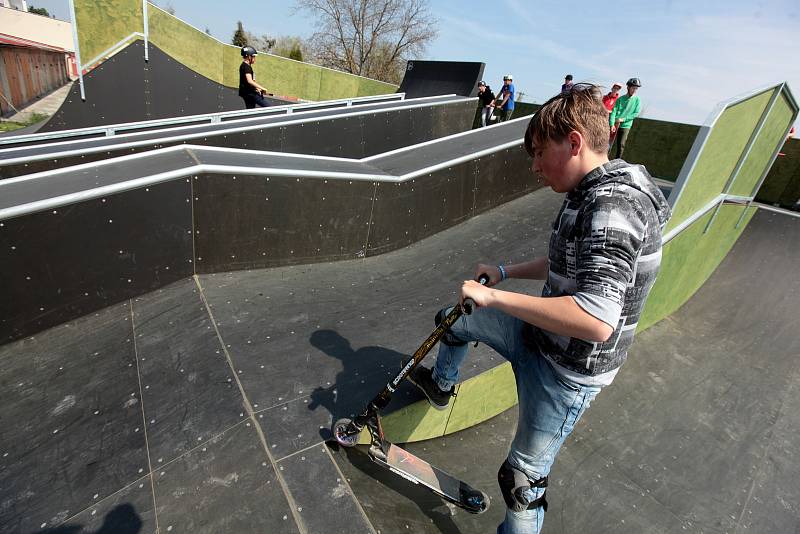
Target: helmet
x,y
635,82
616,84
248,51
481,84
508,77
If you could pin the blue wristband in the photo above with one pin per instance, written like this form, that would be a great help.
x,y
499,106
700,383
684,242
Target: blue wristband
x,y
503,273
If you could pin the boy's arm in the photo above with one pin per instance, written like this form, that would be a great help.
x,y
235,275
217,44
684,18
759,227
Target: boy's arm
x,y
614,112
612,235
560,315
252,82
637,107
529,270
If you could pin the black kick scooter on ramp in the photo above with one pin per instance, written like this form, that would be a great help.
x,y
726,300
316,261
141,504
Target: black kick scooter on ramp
x,y
399,461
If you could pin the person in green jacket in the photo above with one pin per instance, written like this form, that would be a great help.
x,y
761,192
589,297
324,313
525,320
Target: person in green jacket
x,y
626,108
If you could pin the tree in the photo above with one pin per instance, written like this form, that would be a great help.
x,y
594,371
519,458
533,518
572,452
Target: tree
x,y
290,46
370,38
295,53
261,44
38,11
239,36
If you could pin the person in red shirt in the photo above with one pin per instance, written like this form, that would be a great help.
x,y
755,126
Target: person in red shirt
x,y
610,99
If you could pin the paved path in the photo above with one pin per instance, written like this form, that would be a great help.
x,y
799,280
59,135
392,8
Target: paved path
x,y
46,105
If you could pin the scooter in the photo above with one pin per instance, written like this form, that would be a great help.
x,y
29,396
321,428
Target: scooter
x,y
346,431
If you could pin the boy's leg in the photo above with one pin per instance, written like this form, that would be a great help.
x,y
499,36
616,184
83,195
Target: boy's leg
x,y
261,101
549,407
249,101
485,325
484,115
622,136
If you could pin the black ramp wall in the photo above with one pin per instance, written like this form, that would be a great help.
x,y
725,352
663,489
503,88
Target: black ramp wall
x,y
327,133
430,78
64,263
125,88
74,250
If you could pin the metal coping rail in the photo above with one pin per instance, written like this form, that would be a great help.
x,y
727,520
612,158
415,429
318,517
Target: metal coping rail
x,y
211,118
234,127
370,173
703,135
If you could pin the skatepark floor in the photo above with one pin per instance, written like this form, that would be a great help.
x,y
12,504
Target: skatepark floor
x,y
205,406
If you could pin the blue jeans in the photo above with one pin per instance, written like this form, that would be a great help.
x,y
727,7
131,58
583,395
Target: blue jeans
x,y
549,404
255,99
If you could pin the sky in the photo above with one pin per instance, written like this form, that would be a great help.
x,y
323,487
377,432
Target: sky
x,y
688,54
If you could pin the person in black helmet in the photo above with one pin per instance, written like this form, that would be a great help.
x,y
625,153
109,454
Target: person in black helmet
x,y
249,90
485,99
626,108
567,85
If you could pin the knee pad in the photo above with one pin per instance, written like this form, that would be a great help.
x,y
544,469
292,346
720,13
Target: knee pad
x,y
448,339
514,485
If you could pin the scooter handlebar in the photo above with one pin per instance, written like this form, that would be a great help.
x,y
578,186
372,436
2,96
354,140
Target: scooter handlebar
x,y
469,304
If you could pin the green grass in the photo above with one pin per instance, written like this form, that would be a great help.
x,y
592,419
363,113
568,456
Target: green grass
x,y
10,126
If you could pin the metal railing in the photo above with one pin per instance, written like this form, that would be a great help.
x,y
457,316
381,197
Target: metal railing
x,y
210,118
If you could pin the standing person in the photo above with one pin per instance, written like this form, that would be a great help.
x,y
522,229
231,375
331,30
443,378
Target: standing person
x,y
626,108
505,100
611,98
486,101
249,90
567,85
565,346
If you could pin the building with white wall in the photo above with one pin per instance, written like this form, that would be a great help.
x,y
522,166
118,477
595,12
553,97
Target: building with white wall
x,y
19,23
20,5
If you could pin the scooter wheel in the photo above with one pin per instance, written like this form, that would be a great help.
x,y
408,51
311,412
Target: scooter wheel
x,y
339,432
475,501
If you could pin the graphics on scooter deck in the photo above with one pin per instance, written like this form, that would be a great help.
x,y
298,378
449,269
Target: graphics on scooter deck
x,y
401,462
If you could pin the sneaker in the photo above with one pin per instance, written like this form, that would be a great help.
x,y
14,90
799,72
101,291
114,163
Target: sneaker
x,y
422,377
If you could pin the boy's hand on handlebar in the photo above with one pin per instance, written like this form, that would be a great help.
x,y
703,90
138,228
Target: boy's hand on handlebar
x,y
491,270
480,294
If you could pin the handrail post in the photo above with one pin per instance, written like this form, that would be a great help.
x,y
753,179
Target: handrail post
x,y
77,48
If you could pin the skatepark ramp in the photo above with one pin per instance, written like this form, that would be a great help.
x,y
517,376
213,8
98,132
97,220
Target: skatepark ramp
x,y
430,78
189,209
125,88
111,130
205,339
325,129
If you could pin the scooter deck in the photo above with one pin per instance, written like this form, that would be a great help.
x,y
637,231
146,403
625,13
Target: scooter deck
x,y
418,471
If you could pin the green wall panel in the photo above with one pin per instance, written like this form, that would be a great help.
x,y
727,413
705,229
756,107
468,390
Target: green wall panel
x,y
770,137
103,23
482,397
716,162
368,87
337,85
782,186
231,59
661,146
194,49
690,258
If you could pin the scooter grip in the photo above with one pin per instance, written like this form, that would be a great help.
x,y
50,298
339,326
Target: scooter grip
x,y
469,304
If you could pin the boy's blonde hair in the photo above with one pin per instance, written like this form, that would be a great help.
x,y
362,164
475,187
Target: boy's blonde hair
x,y
580,109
